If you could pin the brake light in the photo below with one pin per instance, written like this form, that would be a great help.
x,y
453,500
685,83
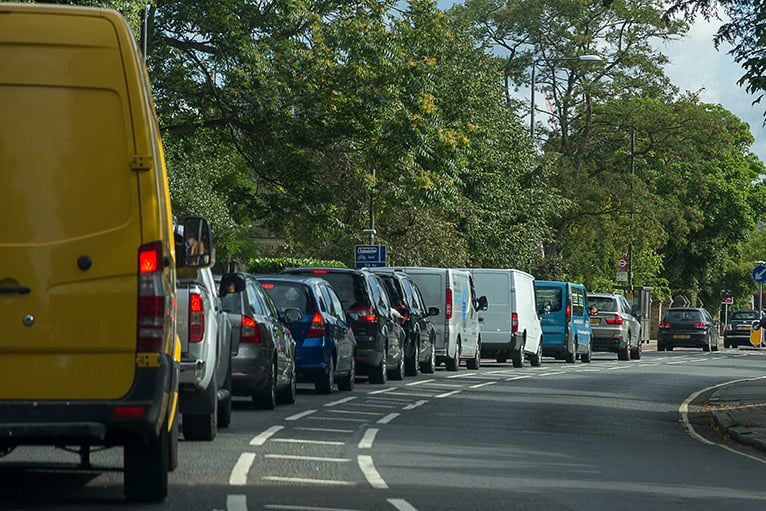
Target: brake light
x,y
152,306
365,314
250,332
196,317
320,271
569,312
700,325
616,321
267,286
665,324
514,322
317,327
448,305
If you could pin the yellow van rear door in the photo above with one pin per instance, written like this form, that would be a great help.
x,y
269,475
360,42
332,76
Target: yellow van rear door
x,y
71,226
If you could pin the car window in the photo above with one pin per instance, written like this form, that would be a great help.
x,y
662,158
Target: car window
x,y
332,298
291,295
603,303
745,315
232,302
548,296
417,299
350,289
257,306
379,293
683,315
578,301
268,303
394,291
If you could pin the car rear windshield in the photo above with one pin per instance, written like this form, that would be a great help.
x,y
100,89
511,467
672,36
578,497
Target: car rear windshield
x,y
548,296
745,315
683,315
602,303
349,287
287,295
393,289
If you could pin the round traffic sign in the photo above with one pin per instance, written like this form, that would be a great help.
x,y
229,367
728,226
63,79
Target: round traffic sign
x,y
623,263
759,274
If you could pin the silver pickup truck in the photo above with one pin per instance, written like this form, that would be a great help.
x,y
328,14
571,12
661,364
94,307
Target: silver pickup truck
x,y
205,332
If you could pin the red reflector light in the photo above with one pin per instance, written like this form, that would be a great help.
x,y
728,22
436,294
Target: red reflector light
x,y
128,412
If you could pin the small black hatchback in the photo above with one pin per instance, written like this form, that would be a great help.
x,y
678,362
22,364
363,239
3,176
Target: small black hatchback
x,y
366,304
683,327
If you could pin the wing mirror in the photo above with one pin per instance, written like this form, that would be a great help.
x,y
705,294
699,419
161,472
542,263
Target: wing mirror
x,y
481,303
292,314
194,246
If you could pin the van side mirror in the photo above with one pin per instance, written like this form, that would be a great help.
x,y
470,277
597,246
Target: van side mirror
x,y
194,247
482,303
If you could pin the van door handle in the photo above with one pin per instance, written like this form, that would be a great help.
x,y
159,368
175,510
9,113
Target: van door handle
x,y
17,290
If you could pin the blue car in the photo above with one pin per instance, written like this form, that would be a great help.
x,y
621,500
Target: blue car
x,y
325,345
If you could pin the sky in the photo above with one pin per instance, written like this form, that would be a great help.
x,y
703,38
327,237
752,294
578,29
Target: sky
x,y
695,65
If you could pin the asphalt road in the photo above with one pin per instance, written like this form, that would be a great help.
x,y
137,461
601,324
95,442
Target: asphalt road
x,y
601,436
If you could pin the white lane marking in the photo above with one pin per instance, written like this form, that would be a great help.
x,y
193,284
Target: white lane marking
x,y
388,418
684,411
372,475
414,405
421,382
411,394
339,419
352,412
448,394
402,505
304,508
372,405
446,385
300,415
239,473
368,438
616,368
480,385
261,439
326,430
312,442
383,391
306,458
549,374
340,401
236,503
303,480
518,377
675,363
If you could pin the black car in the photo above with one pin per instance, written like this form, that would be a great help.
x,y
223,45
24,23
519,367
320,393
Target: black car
x,y
264,365
325,345
738,328
365,301
420,335
684,327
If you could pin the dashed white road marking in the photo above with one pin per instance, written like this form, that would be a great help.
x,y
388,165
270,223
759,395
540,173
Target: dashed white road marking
x,y
415,405
340,401
304,508
372,475
326,430
518,377
306,458
368,438
420,382
236,503
480,385
402,505
239,473
353,412
300,441
261,438
448,394
303,480
388,418
300,415
382,391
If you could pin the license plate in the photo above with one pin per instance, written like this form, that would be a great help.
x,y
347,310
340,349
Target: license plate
x,y
743,327
682,336
594,321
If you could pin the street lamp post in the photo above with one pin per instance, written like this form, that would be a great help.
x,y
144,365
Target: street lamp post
x,y
581,58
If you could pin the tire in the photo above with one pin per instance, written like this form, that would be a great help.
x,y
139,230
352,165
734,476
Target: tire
x,y
536,360
267,398
326,382
623,353
706,347
379,372
411,363
518,358
454,363
475,362
430,366
501,360
200,427
635,354
173,446
146,468
347,382
224,405
585,358
288,395
570,357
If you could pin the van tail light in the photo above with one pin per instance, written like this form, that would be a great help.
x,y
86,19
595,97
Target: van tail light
x,y
317,327
152,306
448,305
365,314
514,322
616,321
701,326
249,332
196,317
569,312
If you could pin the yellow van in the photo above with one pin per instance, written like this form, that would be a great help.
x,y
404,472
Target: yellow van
x,y
88,353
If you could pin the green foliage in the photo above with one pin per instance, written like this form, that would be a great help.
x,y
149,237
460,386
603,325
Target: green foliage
x,y
259,265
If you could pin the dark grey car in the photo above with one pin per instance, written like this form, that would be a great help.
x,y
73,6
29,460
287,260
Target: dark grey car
x,y
263,367
683,327
738,328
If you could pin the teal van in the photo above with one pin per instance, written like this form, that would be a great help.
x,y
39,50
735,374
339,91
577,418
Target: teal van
x,y
564,319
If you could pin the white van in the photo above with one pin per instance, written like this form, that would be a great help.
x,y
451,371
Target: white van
x,y
510,327
457,326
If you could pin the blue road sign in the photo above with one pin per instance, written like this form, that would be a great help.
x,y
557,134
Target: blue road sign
x,y
369,256
759,274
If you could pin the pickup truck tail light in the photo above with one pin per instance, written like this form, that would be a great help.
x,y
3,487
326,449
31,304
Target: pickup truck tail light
x,y
196,318
448,305
152,306
514,322
617,320
317,327
250,331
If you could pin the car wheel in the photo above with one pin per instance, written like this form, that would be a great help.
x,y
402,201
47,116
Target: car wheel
x,y
398,372
146,467
585,358
623,353
501,360
429,366
411,362
347,382
454,363
537,359
224,405
518,358
706,347
635,354
290,394
571,356
326,382
267,398
378,374
475,362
